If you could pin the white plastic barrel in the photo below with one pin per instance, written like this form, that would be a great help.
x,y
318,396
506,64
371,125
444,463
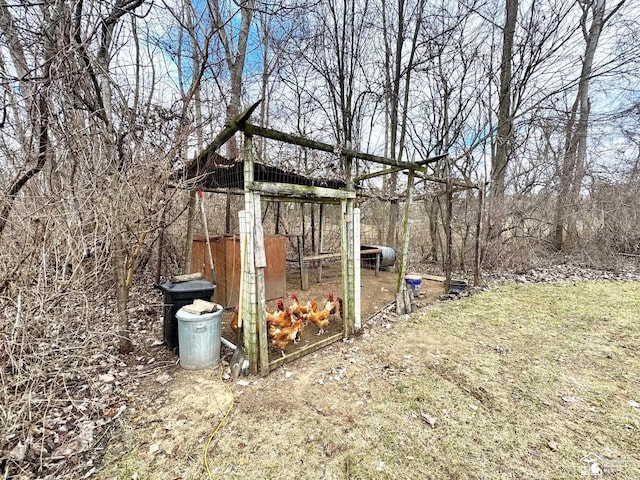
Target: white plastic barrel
x,y
199,338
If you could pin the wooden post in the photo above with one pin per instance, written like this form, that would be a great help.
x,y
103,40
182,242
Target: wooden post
x,y
227,213
348,265
312,217
477,277
357,321
344,264
304,274
191,215
320,238
277,219
251,301
261,301
449,236
401,305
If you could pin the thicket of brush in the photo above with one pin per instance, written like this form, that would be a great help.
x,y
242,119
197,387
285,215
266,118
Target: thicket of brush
x,y
63,379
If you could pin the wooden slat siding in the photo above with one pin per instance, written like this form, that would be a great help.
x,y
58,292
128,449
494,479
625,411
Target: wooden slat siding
x,y
226,259
198,256
275,273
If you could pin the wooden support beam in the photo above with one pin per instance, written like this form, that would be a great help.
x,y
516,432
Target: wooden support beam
x,y
325,147
223,137
457,183
299,191
329,256
387,171
305,351
280,198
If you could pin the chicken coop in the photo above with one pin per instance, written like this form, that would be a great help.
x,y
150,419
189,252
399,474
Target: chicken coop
x,y
281,177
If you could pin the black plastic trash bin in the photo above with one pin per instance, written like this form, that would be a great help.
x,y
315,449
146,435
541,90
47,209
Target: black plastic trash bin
x,y
176,296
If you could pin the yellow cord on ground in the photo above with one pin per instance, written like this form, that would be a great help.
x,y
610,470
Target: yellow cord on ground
x,y
205,455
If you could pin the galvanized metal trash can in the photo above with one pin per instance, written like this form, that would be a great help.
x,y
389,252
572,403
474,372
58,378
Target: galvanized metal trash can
x,y
176,296
199,338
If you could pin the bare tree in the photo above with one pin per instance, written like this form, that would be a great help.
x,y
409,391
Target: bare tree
x,y
505,119
234,42
29,107
572,169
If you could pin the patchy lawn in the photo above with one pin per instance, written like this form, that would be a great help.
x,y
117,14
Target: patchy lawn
x,y
519,382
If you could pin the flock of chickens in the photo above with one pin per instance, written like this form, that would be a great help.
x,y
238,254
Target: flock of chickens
x,y
286,324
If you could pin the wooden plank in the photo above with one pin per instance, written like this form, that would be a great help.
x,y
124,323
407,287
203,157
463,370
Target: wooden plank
x,y
280,198
345,151
223,137
456,183
435,278
329,256
388,171
305,351
299,191
322,256
349,301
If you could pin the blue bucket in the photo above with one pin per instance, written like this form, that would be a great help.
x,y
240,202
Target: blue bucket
x,y
413,284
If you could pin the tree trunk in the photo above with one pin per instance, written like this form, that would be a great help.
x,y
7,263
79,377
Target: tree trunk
x,y
35,103
573,162
235,58
119,260
505,121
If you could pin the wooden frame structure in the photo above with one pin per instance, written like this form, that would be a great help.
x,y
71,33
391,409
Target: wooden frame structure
x,y
252,308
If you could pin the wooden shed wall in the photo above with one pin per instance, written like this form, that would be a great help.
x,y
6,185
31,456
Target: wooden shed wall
x,y
226,259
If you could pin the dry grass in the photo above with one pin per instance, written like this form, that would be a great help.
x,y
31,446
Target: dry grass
x,y
519,382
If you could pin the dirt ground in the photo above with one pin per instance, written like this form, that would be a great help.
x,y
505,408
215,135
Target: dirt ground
x,y
377,292
179,414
